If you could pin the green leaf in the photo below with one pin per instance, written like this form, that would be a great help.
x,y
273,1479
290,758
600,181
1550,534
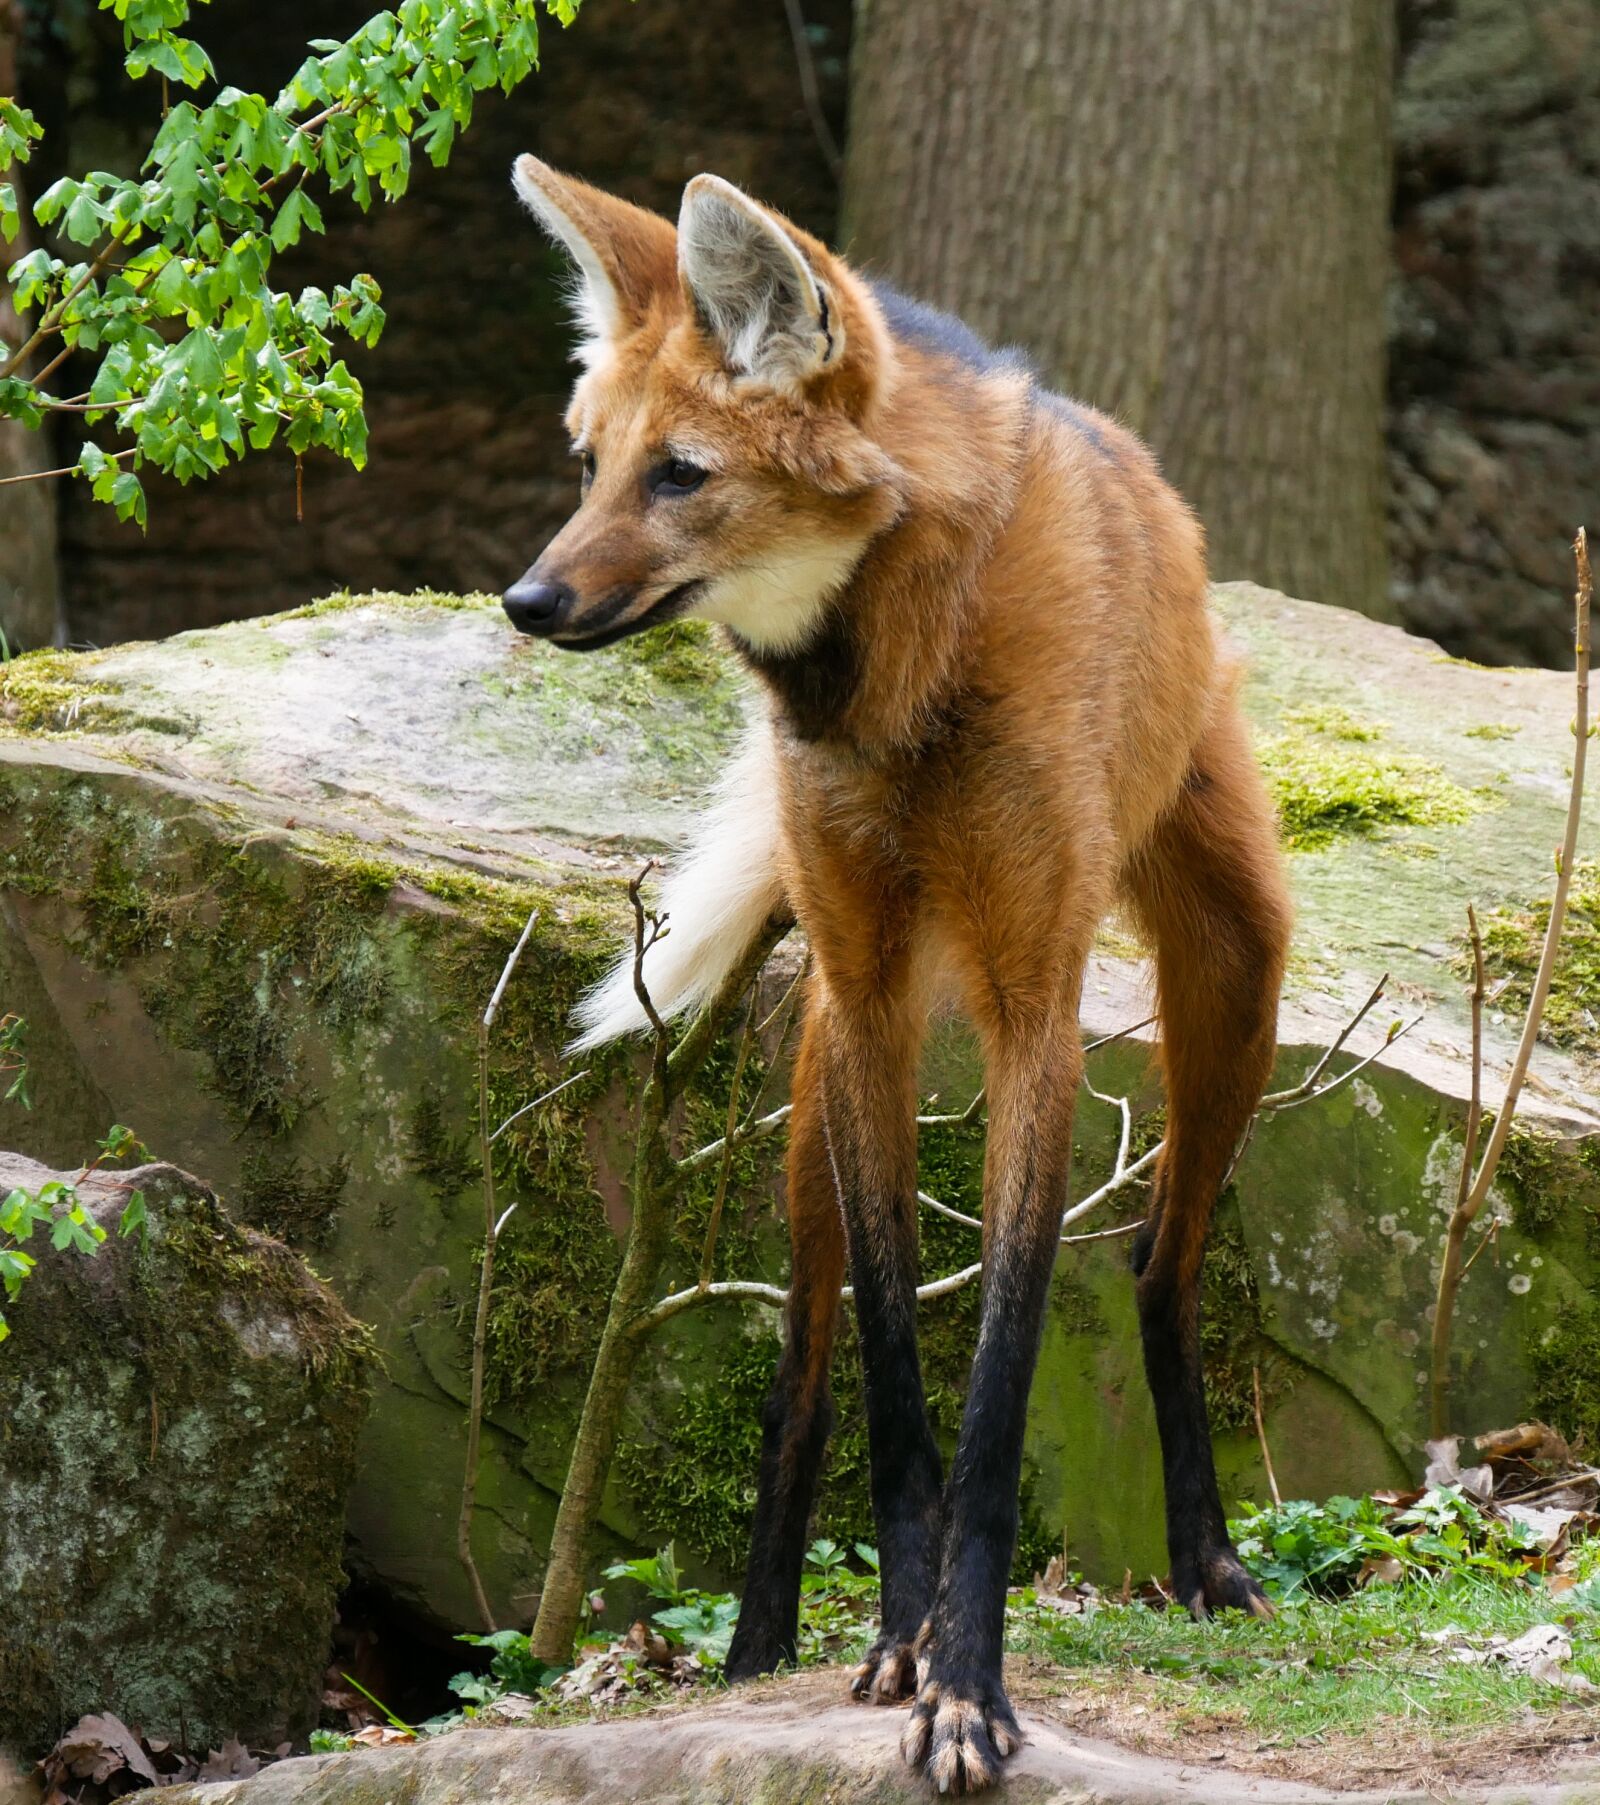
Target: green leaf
x,y
298,210
196,356
19,400
92,460
127,497
135,1219
173,289
56,199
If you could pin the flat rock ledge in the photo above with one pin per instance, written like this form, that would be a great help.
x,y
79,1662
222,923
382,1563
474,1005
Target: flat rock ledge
x,y
783,1745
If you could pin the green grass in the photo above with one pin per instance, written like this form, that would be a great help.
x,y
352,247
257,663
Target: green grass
x,y
1321,1667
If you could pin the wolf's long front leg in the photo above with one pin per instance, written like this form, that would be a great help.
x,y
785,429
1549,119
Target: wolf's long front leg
x,y
869,1097
962,1725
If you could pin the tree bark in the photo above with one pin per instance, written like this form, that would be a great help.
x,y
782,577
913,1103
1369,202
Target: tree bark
x,y
29,578
1180,208
653,1187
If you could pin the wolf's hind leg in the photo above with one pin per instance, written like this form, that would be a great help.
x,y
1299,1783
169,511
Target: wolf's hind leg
x,y
799,1412
1209,891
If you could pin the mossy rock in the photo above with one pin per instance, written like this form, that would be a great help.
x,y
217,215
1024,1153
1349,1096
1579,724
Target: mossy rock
x,y
258,882
179,1415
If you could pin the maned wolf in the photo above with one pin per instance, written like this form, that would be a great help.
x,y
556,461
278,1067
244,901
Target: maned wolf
x,y
993,708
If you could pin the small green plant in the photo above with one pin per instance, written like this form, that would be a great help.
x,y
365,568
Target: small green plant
x,y
835,1603
1299,1549
512,1669
330,1742
701,1622
14,1059
56,1208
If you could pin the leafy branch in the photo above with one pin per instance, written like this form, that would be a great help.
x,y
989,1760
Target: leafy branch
x,y
200,359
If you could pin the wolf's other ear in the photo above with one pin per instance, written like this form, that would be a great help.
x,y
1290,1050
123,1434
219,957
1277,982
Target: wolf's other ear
x,y
753,287
624,255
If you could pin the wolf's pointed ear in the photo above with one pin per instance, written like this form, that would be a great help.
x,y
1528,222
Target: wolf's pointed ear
x,y
753,287
623,254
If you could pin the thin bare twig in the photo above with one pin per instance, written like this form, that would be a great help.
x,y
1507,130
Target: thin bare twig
x,y
1472,1196
1293,1099
747,1131
1491,1233
827,143
38,476
1104,1234
1277,1099
493,1222
961,1119
554,1091
1106,1040
1566,858
714,1221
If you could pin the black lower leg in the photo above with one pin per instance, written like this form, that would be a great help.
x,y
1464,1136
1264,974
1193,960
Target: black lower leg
x,y
907,1473
1206,1572
795,1427
962,1725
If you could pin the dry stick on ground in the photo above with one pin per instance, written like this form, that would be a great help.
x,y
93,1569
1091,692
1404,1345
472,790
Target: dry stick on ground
x,y
492,1224
1261,1436
1471,1197
654,1180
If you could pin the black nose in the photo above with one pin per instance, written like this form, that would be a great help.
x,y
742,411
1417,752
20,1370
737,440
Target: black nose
x,y
532,607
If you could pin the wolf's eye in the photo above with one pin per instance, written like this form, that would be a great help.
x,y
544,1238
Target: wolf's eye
x,y
677,476
586,464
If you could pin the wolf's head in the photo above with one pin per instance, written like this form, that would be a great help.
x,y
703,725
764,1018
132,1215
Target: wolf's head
x,y
722,422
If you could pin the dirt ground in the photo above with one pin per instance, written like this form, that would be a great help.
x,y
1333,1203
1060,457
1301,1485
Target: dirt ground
x,y
1135,1711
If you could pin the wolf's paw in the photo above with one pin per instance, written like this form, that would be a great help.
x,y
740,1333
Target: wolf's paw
x,y
888,1674
960,1732
1215,1580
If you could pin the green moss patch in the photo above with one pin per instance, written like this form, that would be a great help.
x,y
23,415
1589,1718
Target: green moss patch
x,y
683,652
1513,939
1566,1375
52,693
343,600
1326,787
1337,723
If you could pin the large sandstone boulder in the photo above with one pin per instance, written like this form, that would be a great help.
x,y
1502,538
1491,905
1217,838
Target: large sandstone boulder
x,y
257,883
178,1422
796,1739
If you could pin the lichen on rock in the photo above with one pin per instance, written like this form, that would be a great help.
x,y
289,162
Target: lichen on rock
x,y
180,1415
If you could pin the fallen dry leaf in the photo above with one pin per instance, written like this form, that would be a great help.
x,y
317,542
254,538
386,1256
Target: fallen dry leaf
x,y
233,1761
1444,1468
1528,1441
100,1749
382,1736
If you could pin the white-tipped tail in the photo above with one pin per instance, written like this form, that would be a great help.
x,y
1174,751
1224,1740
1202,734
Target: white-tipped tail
x,y
716,896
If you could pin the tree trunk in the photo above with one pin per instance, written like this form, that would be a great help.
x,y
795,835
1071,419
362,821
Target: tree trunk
x,y
29,582
1181,210
567,1577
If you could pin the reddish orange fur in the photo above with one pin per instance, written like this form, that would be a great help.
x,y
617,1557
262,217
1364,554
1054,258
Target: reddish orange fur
x,y
1041,725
